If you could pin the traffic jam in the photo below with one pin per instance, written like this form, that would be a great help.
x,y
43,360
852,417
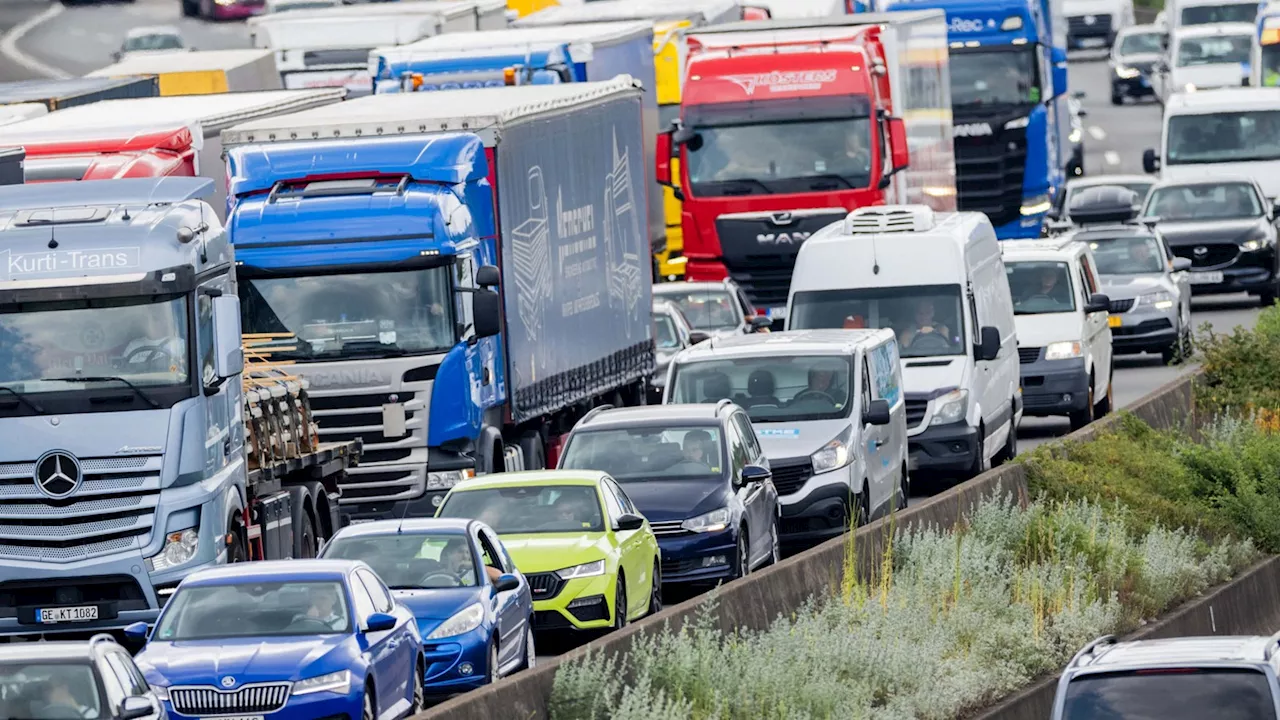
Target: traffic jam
x,y
368,365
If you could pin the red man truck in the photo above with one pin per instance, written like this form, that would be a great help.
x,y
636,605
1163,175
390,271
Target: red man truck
x,y
787,125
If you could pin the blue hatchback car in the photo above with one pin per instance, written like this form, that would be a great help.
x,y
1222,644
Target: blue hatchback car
x,y
474,609
288,639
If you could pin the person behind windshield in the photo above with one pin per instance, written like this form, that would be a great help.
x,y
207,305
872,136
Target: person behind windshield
x,y
456,560
695,446
857,149
324,607
1174,206
1140,255
1048,285
822,381
923,324
59,703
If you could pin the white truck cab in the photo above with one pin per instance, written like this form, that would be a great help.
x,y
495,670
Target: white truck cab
x,y
1064,339
1204,57
936,279
1223,132
1180,13
1095,23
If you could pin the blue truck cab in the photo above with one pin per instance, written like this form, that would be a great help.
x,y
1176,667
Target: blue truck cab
x,y
1010,112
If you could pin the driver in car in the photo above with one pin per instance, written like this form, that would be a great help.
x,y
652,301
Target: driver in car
x,y
456,559
324,607
60,703
924,324
823,381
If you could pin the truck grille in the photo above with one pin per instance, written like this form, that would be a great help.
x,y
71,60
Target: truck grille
x,y
989,170
265,698
1214,255
381,475
544,586
113,510
1028,354
760,248
1078,27
790,475
916,408
1120,306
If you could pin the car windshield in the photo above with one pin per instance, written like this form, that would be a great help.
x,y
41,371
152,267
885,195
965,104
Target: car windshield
x,y
1040,287
255,609
648,453
1142,43
1204,202
153,42
1223,137
665,336
980,78
522,509
1127,255
1226,13
1212,50
143,340
1224,694
927,318
411,561
704,309
774,388
33,690
791,156
358,315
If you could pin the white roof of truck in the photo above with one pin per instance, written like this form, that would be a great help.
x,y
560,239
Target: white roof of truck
x,y
181,61
780,9
1223,100
1214,30
704,11
211,112
346,12
536,38
481,111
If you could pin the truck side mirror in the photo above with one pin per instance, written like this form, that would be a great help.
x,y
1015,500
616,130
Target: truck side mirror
x,y
487,276
228,352
1058,57
1150,162
663,159
989,347
486,310
900,153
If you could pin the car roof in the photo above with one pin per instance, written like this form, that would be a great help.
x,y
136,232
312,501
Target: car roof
x,y
1103,180
795,342
1225,100
672,288
37,651
445,526
684,414
532,477
153,30
1203,180
1180,651
274,570
1062,246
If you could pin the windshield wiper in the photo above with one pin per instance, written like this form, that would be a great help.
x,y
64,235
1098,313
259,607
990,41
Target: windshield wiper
x,y
108,378
740,186
824,182
22,399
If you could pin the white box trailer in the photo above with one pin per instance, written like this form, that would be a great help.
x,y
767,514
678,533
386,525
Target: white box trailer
x,y
202,73
205,115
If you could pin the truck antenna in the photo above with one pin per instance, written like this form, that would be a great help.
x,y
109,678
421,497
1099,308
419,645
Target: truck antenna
x,y
403,515
53,225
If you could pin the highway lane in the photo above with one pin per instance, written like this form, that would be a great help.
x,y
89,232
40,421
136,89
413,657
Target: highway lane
x,y
12,14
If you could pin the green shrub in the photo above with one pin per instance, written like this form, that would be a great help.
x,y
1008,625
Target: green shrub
x,y
1241,368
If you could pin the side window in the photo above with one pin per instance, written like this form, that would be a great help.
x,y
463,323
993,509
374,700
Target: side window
x,y
1090,278
611,502
748,434
204,337
738,453
464,277
489,552
116,684
747,307
382,601
129,680
865,395
623,500
363,601
974,321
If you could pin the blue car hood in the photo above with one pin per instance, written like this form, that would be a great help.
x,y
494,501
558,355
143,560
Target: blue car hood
x,y
670,500
432,607
253,659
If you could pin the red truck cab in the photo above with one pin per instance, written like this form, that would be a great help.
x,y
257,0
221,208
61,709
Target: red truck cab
x,y
786,126
152,153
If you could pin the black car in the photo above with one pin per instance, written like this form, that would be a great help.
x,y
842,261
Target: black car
x,y
698,474
1133,56
1225,227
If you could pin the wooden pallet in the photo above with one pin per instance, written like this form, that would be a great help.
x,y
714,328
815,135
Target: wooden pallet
x,y
279,423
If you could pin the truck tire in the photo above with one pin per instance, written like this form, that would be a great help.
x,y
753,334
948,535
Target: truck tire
x,y
237,549
535,452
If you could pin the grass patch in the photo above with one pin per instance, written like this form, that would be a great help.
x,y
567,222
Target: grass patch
x,y
1242,368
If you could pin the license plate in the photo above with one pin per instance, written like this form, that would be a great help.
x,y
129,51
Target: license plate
x,y
777,312
82,613
1092,42
1114,321
1206,278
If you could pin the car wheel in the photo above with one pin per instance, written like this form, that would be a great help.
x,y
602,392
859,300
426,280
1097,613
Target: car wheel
x,y
491,663
620,603
419,691
1108,402
1010,449
862,508
655,592
743,560
1267,298
530,652
1116,98
775,545
980,457
370,710
904,489
1173,353
1083,417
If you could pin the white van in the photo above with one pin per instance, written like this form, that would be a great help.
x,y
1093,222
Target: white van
x,y
1095,23
1064,336
1204,57
1180,13
939,282
1224,132
828,408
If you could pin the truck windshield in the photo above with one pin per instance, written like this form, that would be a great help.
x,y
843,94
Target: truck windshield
x,y
1223,137
775,388
984,77
60,689
643,454
1171,694
255,609
1211,14
1040,287
358,315
781,157
927,318
1214,50
142,340
411,561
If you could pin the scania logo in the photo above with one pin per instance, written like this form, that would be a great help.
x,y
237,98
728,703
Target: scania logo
x,y
58,474
346,377
782,238
972,130
1201,251
228,681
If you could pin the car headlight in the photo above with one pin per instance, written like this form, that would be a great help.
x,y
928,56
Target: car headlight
x,y
834,455
714,521
1036,205
162,692
334,682
1257,243
1063,350
950,407
1160,299
1075,135
179,547
590,569
1124,72
463,621
445,479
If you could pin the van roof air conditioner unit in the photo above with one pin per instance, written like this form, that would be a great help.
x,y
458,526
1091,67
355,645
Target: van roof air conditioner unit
x,y
889,219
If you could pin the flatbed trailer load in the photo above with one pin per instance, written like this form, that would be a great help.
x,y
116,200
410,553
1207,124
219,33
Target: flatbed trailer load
x,y
60,94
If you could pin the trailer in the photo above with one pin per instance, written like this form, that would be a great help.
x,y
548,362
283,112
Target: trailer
x,y
203,72
10,114
11,165
61,94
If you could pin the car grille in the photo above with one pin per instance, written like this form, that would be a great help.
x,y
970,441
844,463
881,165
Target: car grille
x,y
264,698
1028,354
1217,254
544,586
916,408
989,172
112,511
668,529
1121,306
380,476
790,475
1077,27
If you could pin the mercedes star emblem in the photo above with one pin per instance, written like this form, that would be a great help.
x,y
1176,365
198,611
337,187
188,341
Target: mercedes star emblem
x,y
228,681
58,474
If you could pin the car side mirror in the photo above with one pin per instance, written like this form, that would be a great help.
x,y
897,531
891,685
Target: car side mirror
x,y
505,583
1097,303
877,413
1150,162
137,631
1181,264
760,322
697,336
630,521
1275,208
380,622
753,474
486,312
989,345
135,707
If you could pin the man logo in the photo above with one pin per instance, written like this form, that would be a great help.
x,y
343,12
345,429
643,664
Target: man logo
x,y
782,238
58,474
972,130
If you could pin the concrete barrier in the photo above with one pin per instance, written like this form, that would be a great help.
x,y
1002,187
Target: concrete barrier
x,y
756,602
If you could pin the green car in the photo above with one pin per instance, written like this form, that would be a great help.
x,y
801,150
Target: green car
x,y
584,548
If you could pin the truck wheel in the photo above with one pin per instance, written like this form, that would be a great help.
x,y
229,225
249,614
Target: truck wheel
x,y
535,453
237,551
304,538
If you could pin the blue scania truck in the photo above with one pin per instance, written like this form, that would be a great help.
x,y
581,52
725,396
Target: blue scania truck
x,y
461,275
1009,103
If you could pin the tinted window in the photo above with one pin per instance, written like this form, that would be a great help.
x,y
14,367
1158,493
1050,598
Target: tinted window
x,y
129,678
492,555
704,309
647,453
1204,202
748,434
926,318
381,598
1223,137
772,388
255,609
1191,695
51,688
982,78
529,509
411,560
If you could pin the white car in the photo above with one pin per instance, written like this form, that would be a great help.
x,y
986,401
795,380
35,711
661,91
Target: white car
x,y
154,40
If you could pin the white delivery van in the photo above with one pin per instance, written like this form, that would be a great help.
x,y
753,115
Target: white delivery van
x,y
828,408
1095,23
1204,57
938,281
1064,337
1223,132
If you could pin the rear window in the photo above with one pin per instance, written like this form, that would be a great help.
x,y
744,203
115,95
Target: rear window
x,y
1171,695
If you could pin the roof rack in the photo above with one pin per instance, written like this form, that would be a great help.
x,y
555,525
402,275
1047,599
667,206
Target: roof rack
x,y
594,411
1091,647
100,638
723,401
1104,205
